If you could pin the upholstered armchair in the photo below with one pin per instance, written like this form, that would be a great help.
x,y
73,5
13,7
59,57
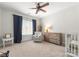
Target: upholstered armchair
x,y
38,37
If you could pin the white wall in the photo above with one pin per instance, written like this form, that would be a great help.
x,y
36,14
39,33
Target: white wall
x,y
0,23
0,26
7,22
65,21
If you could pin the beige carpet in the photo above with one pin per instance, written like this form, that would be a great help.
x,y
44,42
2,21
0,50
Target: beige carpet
x,y
31,49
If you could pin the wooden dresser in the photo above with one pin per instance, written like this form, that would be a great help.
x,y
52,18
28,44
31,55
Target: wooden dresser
x,y
55,38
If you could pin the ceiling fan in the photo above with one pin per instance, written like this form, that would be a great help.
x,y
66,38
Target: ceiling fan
x,y
39,7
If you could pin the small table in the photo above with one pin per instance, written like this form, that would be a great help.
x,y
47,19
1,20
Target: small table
x,y
6,40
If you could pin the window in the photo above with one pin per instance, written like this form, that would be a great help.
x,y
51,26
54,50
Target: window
x,y
26,27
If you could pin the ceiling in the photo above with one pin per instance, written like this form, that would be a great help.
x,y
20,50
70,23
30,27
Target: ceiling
x,y
23,7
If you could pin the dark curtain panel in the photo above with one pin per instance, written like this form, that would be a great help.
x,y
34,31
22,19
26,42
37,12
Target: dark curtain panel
x,y
17,28
34,26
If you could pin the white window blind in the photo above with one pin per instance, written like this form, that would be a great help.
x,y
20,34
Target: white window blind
x,y
26,27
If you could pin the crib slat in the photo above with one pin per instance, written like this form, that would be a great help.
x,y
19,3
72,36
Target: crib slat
x,y
78,44
74,44
68,40
66,45
71,44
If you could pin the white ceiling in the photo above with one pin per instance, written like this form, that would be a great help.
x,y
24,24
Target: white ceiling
x,y
23,7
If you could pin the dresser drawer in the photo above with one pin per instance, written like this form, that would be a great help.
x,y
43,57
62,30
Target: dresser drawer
x,y
54,41
56,38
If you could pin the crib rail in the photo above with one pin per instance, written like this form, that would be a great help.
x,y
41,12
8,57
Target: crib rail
x,y
71,45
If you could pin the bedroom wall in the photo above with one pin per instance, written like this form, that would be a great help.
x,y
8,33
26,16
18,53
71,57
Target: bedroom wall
x,y
0,22
65,21
6,21
0,26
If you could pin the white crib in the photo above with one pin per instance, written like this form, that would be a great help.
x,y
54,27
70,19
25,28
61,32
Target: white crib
x,y
72,45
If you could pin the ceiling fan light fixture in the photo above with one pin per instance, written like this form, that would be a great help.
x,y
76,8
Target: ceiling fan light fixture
x,y
39,7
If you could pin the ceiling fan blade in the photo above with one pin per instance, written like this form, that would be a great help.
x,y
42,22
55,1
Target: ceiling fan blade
x,y
42,10
33,8
46,4
37,11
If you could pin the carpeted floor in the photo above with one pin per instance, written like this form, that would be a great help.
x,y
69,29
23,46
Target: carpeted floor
x,y
31,49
